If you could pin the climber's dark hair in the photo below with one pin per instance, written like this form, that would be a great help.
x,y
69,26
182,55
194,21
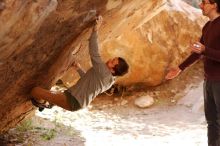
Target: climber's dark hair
x,y
218,4
121,68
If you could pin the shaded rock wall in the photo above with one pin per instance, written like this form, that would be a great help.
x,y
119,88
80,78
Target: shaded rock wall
x,y
33,38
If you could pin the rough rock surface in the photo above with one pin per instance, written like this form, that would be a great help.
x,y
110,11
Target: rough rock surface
x,y
39,39
144,101
35,40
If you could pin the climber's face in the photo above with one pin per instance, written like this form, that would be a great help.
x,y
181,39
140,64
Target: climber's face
x,y
111,63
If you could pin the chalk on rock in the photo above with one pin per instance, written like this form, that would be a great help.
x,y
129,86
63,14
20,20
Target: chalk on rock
x,y
2,6
91,15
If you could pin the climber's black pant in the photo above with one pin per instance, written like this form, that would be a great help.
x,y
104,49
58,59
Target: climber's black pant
x,y
72,101
212,111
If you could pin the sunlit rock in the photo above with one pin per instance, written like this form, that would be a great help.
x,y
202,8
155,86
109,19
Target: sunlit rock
x,y
152,36
144,101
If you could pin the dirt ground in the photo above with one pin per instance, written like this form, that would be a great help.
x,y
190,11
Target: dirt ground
x,y
176,118
119,125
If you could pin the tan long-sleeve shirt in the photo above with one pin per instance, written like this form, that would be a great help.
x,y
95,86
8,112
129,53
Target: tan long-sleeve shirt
x,y
96,80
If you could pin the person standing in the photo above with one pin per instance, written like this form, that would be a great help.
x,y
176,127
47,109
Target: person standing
x,y
208,48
